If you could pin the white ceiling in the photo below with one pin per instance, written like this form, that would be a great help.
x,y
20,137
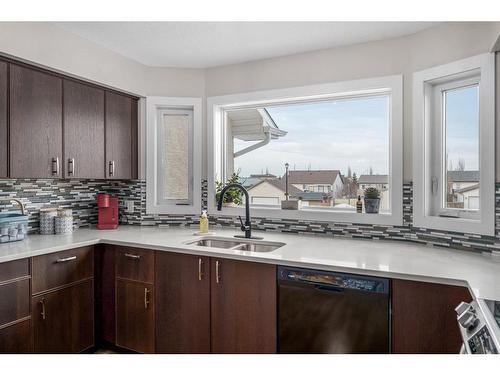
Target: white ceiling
x,y
209,44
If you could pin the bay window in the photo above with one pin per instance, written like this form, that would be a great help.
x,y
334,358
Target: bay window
x,y
310,145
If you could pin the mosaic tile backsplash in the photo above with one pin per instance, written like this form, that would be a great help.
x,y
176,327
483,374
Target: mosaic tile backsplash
x,y
80,195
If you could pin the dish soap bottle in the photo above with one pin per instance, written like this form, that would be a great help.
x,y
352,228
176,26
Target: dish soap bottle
x,y
204,222
359,205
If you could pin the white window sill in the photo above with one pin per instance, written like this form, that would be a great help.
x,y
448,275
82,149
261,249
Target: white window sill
x,y
313,215
452,224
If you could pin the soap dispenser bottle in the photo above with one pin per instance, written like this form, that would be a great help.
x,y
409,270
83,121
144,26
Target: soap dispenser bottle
x,y
204,222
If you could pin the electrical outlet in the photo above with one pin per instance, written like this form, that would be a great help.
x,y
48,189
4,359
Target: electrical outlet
x,y
129,206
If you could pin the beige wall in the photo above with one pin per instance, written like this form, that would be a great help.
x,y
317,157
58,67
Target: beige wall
x,y
438,45
53,47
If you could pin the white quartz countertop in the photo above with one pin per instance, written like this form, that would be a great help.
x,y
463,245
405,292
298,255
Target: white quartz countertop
x,y
392,259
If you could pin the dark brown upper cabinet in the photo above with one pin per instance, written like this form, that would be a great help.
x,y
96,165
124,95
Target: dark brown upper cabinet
x,y
4,145
35,124
182,303
121,138
83,131
243,306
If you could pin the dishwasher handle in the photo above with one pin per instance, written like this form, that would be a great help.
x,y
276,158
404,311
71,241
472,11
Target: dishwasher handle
x,y
331,289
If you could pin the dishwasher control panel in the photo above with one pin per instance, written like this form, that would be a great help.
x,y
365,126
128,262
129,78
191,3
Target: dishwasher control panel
x,y
338,280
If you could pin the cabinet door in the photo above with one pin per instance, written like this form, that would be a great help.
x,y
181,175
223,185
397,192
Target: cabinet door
x,y
83,131
63,321
424,319
243,302
35,124
16,338
14,301
182,304
4,157
105,293
135,326
119,127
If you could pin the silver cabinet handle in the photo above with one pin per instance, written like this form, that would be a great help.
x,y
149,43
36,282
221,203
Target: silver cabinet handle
x,y
64,260
55,166
42,302
111,168
132,256
217,271
71,166
200,269
146,299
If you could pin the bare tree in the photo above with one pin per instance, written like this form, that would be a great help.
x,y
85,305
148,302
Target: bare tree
x,y
371,170
461,164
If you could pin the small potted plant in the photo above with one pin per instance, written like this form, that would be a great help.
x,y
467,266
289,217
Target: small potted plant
x,y
233,197
372,200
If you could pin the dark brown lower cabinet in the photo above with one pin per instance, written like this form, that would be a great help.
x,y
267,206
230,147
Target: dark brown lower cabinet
x,y
63,320
182,303
424,319
16,338
105,310
135,317
243,306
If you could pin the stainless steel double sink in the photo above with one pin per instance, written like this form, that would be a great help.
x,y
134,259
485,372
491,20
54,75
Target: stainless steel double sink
x,y
236,244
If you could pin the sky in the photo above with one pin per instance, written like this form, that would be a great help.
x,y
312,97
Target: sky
x,y
462,127
325,135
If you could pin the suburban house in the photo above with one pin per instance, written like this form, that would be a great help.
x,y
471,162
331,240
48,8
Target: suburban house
x,y
254,179
463,189
320,181
379,182
271,191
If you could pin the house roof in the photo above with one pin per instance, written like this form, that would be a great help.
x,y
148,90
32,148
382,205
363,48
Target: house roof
x,y
248,182
463,176
468,188
373,179
313,177
278,183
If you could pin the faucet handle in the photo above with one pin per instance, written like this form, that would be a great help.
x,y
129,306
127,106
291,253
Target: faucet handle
x,y
243,227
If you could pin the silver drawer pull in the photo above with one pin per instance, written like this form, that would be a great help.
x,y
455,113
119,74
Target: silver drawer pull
x,y
111,168
55,166
64,260
132,256
71,166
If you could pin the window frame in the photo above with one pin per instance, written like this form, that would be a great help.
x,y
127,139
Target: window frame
x,y
428,159
155,106
392,85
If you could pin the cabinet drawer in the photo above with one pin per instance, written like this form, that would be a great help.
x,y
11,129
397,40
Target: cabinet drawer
x,y
135,264
16,339
65,267
14,269
14,301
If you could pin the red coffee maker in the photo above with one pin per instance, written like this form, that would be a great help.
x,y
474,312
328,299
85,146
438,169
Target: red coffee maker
x,y
108,211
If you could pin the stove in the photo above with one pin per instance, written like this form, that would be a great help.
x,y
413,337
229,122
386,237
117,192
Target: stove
x,y
479,324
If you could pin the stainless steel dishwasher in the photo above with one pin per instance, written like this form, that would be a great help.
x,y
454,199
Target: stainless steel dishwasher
x,y
326,312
